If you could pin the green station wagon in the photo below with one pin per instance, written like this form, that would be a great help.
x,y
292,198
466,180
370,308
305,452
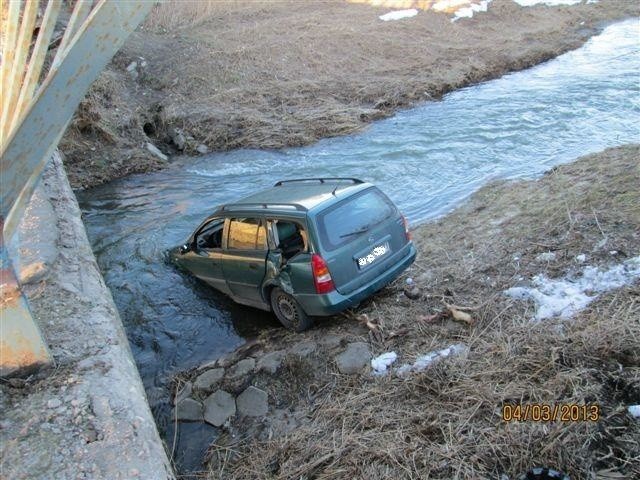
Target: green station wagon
x,y
303,248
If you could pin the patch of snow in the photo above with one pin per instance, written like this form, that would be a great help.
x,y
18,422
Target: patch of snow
x,y
467,12
382,362
634,410
550,3
398,14
425,361
546,257
564,297
581,258
409,281
613,252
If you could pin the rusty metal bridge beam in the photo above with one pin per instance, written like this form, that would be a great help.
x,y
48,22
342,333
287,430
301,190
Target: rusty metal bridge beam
x,y
29,136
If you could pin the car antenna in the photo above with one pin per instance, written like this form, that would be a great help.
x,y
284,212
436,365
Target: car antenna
x,y
334,191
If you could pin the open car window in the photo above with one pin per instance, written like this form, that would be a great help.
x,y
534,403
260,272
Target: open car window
x,y
210,236
289,237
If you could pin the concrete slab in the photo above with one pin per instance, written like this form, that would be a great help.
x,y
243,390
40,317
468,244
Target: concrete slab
x,y
87,417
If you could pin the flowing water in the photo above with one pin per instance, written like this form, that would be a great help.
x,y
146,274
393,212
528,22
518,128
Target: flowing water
x,y
426,159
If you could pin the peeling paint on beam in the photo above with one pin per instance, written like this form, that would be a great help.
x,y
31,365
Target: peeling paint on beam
x,y
21,344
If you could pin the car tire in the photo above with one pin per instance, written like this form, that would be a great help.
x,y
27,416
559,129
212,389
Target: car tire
x,y
289,312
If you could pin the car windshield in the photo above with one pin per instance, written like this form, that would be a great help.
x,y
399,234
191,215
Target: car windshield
x,y
353,217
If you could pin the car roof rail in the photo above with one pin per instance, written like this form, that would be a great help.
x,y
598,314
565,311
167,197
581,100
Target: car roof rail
x,y
319,179
240,206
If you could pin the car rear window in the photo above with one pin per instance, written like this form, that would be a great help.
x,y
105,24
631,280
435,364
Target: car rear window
x,y
346,221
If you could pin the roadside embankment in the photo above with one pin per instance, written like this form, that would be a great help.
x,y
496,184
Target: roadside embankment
x,y
87,415
458,347
277,74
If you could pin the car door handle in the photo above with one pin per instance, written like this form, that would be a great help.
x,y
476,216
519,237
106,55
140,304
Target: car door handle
x,y
253,266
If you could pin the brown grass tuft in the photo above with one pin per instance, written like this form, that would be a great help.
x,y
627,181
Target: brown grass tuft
x,y
174,14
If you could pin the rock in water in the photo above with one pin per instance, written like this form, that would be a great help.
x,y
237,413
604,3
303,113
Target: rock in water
x,y
218,407
207,380
188,410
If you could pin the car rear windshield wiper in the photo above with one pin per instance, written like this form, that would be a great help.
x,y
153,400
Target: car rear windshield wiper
x,y
355,232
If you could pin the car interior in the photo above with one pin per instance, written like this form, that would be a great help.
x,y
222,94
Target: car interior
x,y
211,236
291,238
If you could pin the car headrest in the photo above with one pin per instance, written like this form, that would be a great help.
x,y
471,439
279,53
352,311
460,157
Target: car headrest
x,y
285,230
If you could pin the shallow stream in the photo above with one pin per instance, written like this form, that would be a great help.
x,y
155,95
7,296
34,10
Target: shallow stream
x,y
427,159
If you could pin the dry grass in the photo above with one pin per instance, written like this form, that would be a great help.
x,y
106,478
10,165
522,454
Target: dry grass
x,y
446,421
174,14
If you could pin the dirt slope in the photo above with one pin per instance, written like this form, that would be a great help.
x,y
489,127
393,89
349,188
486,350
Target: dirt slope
x,y
275,74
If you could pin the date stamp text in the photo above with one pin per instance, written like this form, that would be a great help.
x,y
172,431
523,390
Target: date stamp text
x,y
542,412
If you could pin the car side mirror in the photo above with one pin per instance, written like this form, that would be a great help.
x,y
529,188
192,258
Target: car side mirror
x,y
185,248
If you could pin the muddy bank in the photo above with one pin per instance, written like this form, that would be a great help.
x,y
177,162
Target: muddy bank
x,y
289,73
309,404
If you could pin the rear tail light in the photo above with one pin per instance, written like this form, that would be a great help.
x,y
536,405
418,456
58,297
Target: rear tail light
x,y
321,276
407,233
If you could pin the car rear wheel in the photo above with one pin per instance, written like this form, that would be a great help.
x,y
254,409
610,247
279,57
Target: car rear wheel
x,y
289,311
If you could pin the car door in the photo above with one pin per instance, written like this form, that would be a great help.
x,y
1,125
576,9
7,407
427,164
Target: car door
x,y
243,258
205,258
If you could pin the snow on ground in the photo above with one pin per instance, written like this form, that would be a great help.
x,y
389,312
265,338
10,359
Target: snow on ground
x,y
398,14
468,8
381,362
551,3
424,361
467,12
634,410
564,297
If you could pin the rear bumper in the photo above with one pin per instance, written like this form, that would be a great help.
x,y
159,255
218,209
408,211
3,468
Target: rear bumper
x,y
334,302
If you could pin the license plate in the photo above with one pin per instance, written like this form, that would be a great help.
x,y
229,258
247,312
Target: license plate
x,y
375,254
